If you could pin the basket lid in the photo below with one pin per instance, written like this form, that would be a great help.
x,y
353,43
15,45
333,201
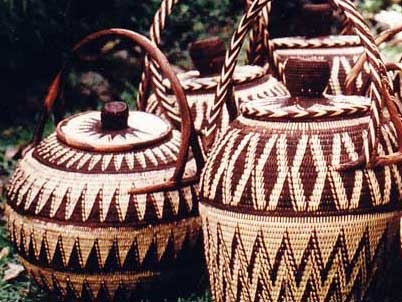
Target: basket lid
x,y
115,129
193,81
317,42
306,81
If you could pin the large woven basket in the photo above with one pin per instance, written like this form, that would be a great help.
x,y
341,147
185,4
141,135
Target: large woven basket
x,y
341,51
251,81
105,209
300,198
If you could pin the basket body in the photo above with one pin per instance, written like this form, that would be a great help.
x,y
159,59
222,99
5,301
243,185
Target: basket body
x,y
280,224
81,234
341,52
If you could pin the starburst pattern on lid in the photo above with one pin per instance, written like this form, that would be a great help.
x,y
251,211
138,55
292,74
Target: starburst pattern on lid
x,y
84,131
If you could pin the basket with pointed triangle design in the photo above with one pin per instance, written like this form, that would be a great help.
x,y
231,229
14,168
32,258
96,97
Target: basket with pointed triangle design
x,y
106,207
300,196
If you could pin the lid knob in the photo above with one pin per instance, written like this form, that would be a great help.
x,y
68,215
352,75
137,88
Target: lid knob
x,y
208,55
114,116
306,77
316,19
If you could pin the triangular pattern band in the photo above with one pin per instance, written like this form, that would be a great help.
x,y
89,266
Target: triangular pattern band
x,y
329,258
54,253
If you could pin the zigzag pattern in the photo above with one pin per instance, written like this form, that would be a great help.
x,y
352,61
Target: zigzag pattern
x,y
318,259
377,70
37,189
192,82
333,42
257,53
52,152
84,249
292,167
90,257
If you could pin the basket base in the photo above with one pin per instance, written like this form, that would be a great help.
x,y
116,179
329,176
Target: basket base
x,y
118,287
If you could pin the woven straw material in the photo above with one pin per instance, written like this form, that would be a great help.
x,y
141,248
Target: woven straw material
x,y
72,219
283,107
103,263
298,210
278,258
283,167
81,190
200,101
341,52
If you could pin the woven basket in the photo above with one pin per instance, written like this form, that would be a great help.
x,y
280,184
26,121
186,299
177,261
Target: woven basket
x,y
300,198
251,81
341,51
105,209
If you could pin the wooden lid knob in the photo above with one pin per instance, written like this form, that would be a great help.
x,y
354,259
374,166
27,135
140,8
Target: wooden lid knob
x,y
306,77
114,116
208,55
316,19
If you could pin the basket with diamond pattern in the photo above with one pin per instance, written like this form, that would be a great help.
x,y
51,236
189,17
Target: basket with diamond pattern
x,y
300,196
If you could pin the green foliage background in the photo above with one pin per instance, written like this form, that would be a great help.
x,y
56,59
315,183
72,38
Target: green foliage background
x,y
35,36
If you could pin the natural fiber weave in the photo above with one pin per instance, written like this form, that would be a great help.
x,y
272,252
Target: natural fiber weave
x,y
300,199
282,167
194,84
250,83
340,51
281,258
106,208
98,263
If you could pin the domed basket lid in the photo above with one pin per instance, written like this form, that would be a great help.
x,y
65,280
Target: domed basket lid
x,y
115,129
306,81
318,42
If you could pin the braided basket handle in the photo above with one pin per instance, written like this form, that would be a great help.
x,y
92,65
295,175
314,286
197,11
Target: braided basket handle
x,y
187,128
157,26
257,53
379,87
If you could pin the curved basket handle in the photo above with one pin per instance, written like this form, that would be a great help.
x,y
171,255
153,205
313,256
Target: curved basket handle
x,y
380,83
157,26
187,128
257,53
224,90
358,67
